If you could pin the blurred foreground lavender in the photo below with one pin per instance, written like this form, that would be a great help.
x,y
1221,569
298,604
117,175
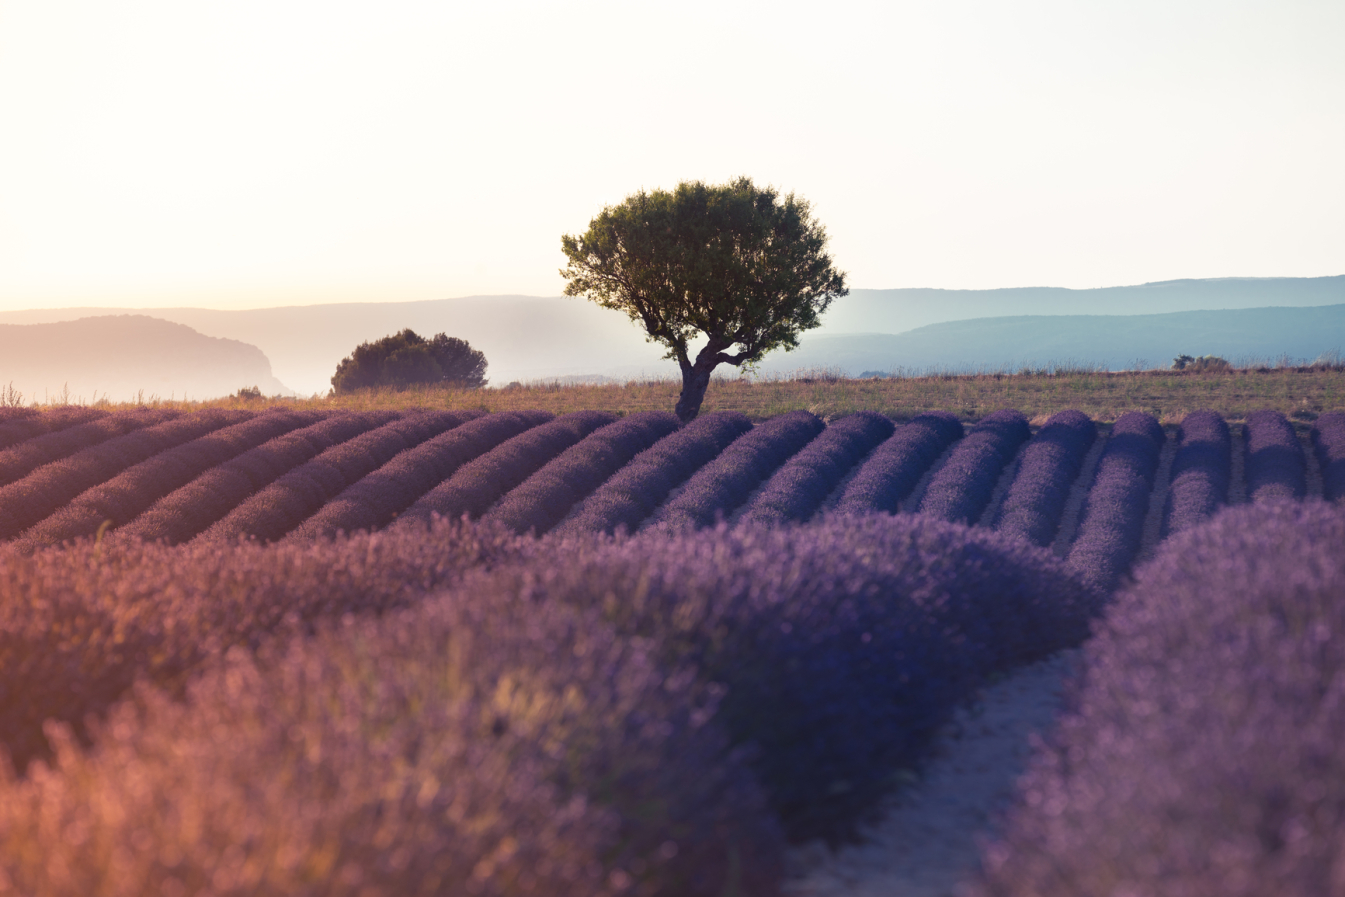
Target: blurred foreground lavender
x,y
1204,754
577,715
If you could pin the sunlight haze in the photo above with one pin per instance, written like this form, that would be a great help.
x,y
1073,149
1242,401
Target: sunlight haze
x,y
245,154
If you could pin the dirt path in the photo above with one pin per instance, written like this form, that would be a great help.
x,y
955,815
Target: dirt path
x,y
929,841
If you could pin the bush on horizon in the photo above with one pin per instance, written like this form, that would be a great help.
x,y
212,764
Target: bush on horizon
x,y
408,359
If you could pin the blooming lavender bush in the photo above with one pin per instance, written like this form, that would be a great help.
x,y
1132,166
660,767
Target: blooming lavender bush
x,y
724,484
479,484
81,623
543,499
1328,440
40,493
1203,754
379,497
632,494
895,467
844,643
23,458
21,424
188,511
1051,463
1111,522
1200,472
962,488
798,488
129,493
1274,464
296,496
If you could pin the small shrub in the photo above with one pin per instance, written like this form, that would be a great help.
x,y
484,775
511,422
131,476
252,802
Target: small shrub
x,y
408,359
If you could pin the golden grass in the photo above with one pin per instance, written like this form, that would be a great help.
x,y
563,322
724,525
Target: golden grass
x,y
1300,393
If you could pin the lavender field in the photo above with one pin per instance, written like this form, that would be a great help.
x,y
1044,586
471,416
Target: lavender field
x,y
456,652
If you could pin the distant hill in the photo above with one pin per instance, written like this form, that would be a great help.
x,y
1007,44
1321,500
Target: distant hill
x,y
897,311
119,356
1116,342
531,337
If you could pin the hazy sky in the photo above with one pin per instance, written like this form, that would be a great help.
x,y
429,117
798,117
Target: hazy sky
x,y
232,153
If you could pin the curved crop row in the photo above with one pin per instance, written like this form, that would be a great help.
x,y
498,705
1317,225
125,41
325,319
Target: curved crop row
x,y
376,499
543,499
17,461
1202,754
45,490
891,473
1274,464
297,495
1200,472
1328,440
798,488
843,643
636,490
1051,463
1111,523
435,743
961,489
479,484
20,424
190,510
130,492
725,483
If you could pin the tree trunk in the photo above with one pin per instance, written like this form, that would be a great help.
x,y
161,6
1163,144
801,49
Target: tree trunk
x,y
695,380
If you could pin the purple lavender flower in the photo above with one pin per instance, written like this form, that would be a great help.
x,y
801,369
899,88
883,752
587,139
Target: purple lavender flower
x,y
1200,472
1275,466
961,489
541,501
798,488
891,473
723,485
1328,439
1051,463
634,492
1112,520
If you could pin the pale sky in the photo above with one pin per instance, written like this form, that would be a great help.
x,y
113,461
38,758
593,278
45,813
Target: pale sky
x,y
239,153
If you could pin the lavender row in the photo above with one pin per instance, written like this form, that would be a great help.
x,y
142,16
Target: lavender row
x,y
1274,463
83,622
891,473
479,484
798,488
45,490
463,762
1200,472
122,498
1328,440
20,460
190,510
21,424
1111,522
543,499
844,644
1203,754
960,490
1051,463
635,492
296,496
376,499
441,750
724,484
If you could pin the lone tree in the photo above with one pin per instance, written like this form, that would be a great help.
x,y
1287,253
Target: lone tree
x,y
407,359
735,263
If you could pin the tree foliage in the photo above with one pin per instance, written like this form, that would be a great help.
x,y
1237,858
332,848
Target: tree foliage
x,y
735,264
408,359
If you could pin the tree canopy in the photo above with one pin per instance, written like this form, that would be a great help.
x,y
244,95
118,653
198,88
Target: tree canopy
x,y
736,264
408,359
